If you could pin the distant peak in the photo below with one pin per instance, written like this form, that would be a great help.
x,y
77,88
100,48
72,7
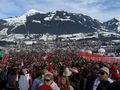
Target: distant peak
x,y
31,12
117,18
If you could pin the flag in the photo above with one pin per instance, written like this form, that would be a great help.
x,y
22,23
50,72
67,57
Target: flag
x,y
5,58
1,54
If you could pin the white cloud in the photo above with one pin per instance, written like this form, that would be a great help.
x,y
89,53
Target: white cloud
x,y
89,1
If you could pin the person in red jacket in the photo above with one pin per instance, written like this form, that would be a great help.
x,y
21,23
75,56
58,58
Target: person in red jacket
x,y
48,83
44,87
114,73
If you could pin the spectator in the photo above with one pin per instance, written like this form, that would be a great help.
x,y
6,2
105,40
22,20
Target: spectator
x,y
44,87
49,81
2,78
115,73
11,79
114,86
37,81
65,84
104,85
103,75
23,79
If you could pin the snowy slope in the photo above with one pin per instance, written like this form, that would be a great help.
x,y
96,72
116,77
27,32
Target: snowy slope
x,y
4,31
20,20
13,37
118,23
16,21
113,24
32,12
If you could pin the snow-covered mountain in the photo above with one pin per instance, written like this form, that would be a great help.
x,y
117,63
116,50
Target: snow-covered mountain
x,y
31,12
57,22
67,25
113,24
20,20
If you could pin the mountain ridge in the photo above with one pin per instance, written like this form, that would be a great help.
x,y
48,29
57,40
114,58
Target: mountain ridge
x,y
57,22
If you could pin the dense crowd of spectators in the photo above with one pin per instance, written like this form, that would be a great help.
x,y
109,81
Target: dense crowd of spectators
x,y
59,70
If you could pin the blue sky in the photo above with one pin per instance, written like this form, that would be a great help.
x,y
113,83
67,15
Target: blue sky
x,y
99,9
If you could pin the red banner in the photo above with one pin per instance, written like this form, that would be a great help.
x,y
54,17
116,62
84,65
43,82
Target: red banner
x,y
98,58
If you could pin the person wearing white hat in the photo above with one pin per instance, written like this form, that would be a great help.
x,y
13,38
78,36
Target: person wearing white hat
x,y
102,76
67,72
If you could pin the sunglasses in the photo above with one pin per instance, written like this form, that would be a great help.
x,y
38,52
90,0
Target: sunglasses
x,y
101,72
47,80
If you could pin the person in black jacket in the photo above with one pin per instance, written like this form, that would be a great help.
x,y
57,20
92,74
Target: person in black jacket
x,y
114,86
104,85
